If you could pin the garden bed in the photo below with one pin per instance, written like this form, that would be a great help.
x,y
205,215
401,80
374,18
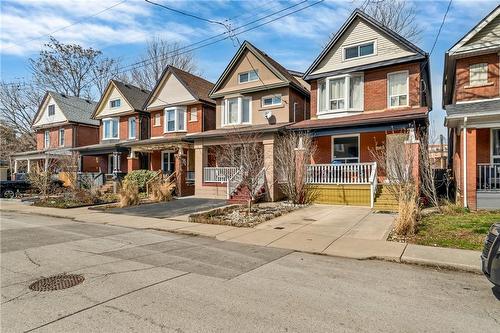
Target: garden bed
x,y
239,216
456,229
75,202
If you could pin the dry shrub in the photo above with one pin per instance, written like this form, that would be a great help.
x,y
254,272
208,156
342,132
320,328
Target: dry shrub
x,y
452,208
406,221
129,194
161,191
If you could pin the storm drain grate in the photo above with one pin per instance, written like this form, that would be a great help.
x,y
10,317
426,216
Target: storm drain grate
x,y
57,282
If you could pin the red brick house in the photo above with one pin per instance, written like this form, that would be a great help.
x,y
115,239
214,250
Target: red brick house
x,y
61,123
368,84
471,97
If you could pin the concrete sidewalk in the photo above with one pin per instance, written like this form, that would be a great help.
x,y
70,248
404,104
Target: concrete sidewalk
x,y
364,239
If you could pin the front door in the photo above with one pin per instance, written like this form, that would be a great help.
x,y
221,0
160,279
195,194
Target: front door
x,y
111,164
168,162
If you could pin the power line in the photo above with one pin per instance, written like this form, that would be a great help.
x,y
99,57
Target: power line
x,y
68,26
440,27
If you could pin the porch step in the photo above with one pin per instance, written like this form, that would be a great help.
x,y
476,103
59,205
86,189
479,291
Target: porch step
x,y
384,200
242,195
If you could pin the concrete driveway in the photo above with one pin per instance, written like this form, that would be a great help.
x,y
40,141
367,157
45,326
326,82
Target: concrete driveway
x,y
176,208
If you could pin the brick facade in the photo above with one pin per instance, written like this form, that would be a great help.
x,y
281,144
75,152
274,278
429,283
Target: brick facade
x,y
74,136
463,90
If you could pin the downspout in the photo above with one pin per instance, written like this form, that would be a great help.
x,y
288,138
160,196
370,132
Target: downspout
x,y
465,162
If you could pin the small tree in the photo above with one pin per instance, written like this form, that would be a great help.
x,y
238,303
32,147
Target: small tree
x,y
427,179
41,177
246,152
293,151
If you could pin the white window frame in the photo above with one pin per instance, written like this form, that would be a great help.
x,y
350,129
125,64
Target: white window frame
x,y
167,152
114,100
347,86
111,130
249,80
193,111
48,110
359,45
157,119
176,110
272,101
407,90
61,137
240,111
130,134
493,157
46,139
332,157
470,75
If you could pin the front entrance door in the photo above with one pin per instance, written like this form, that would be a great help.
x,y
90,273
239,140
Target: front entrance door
x,y
111,164
168,161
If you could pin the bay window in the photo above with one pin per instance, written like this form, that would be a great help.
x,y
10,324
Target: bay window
x,y
397,89
340,93
131,128
110,128
175,119
236,111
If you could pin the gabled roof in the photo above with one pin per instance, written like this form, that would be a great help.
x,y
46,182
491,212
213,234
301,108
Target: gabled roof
x,y
75,109
359,14
477,28
197,86
134,96
275,67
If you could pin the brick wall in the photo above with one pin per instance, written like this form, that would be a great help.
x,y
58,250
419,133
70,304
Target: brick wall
x,y
300,108
54,137
194,126
314,99
209,118
463,90
86,135
158,129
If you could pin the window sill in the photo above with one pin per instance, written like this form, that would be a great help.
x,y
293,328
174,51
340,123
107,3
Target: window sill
x,y
179,131
193,121
271,107
157,125
398,107
479,85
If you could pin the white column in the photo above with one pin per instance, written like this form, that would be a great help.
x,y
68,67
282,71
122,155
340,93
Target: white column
x,y
15,166
46,165
29,165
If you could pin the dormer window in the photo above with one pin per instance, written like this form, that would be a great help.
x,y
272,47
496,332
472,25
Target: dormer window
x,y
249,76
359,50
115,103
52,110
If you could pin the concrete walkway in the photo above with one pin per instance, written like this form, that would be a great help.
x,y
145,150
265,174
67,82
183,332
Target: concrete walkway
x,y
351,232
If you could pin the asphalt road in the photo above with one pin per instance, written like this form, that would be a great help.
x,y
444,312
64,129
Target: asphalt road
x,y
149,281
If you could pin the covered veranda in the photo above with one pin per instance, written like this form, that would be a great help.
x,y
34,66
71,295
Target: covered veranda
x,y
25,161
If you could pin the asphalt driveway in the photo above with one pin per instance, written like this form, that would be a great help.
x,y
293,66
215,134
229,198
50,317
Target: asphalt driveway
x,y
170,209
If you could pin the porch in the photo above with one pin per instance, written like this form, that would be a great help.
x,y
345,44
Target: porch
x,y
488,186
24,162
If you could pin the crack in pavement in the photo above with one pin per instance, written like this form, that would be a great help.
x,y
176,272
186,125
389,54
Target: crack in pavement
x,y
30,259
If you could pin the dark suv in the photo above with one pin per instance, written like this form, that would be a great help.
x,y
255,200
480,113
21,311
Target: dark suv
x,y
490,257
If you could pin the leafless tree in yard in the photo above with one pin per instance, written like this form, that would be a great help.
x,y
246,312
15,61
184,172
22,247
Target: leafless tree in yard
x,y
246,152
427,179
41,177
72,69
158,55
291,167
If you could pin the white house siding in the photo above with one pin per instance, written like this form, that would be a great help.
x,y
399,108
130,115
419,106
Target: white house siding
x,y
105,110
44,119
358,32
486,37
172,91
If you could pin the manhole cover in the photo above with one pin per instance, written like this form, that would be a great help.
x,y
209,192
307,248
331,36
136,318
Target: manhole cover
x,y
57,282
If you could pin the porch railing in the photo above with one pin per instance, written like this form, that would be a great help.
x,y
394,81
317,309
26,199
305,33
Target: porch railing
x,y
234,182
218,174
348,173
488,177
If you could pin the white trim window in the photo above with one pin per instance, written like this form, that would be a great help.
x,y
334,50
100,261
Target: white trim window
x,y
46,139
341,93
236,111
398,89
478,74
115,103
193,115
248,76
495,146
110,128
345,149
270,101
168,161
51,110
61,137
361,50
157,119
175,119
132,128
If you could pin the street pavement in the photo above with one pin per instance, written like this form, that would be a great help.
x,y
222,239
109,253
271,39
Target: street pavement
x,y
155,281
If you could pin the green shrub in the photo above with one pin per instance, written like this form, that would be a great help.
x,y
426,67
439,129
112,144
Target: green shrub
x,y
140,178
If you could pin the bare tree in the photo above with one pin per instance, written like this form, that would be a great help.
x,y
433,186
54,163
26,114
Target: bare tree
x,y
158,55
397,15
293,151
246,152
426,171
72,69
41,177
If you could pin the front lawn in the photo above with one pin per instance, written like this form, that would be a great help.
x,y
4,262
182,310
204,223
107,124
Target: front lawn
x,y
457,229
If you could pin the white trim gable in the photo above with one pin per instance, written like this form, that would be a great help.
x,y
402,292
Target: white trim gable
x,y
43,117
104,109
170,91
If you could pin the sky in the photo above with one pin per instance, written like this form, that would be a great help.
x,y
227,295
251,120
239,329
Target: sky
x,y
121,28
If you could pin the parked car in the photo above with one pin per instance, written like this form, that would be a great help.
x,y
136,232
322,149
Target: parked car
x,y
11,188
490,257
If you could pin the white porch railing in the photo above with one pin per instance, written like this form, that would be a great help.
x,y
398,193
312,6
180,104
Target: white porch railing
x,y
218,174
233,183
488,177
348,173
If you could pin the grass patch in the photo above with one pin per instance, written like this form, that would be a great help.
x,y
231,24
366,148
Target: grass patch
x,y
455,228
